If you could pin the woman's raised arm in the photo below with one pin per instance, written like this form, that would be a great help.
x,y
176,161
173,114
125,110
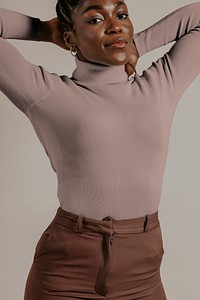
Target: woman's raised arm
x,y
21,81
14,25
181,64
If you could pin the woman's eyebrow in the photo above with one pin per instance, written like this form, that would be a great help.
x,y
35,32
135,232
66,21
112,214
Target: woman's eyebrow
x,y
96,7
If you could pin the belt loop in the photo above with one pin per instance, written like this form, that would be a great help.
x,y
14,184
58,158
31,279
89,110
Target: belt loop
x,y
146,223
80,223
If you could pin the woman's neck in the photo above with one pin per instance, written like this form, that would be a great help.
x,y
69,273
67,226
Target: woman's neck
x,y
98,73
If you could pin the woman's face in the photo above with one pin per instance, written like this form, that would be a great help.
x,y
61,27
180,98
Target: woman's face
x,y
103,32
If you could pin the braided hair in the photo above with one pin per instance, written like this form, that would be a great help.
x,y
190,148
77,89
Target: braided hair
x,y
65,10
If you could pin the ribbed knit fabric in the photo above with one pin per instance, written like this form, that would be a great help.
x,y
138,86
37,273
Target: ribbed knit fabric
x,y
106,136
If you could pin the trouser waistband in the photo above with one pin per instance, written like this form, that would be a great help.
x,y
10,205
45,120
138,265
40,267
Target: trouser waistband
x,y
107,225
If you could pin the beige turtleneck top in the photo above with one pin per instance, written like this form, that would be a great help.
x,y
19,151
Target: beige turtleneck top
x,y
106,136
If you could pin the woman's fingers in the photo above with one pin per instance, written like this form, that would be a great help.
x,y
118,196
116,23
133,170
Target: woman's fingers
x,y
57,35
131,64
53,34
129,69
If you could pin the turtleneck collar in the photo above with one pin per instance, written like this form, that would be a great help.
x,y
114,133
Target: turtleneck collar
x,y
89,72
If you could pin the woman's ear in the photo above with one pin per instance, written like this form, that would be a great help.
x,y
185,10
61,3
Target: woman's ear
x,y
68,39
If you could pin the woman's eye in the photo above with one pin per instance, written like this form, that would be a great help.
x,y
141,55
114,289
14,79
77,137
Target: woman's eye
x,y
95,21
123,16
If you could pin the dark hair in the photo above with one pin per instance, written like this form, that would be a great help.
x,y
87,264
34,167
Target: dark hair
x,y
65,10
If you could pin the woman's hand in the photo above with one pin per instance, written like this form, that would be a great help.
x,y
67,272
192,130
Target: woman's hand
x,y
131,64
53,34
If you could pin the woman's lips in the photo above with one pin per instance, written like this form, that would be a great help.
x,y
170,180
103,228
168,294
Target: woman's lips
x,y
117,45
118,42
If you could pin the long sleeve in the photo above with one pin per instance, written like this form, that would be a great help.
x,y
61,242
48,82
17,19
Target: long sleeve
x,y
21,81
181,64
15,25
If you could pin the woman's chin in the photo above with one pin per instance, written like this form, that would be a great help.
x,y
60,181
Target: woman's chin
x,y
118,59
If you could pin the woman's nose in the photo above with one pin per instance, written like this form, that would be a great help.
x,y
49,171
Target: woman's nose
x,y
113,26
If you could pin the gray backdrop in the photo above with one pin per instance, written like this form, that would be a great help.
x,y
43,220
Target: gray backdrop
x,y
28,184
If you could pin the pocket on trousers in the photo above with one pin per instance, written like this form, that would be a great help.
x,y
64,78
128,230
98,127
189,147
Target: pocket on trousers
x,y
43,241
151,248
160,246
161,239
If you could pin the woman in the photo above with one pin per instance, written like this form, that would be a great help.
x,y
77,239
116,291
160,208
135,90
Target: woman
x,y
107,137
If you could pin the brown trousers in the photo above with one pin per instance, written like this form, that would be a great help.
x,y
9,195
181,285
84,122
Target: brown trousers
x,y
83,258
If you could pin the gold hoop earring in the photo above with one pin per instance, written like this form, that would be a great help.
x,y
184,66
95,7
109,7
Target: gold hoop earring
x,y
73,51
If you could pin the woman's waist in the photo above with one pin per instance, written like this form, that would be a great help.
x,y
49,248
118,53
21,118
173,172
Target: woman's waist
x,y
96,200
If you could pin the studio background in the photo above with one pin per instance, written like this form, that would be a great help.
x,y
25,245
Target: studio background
x,y
28,185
